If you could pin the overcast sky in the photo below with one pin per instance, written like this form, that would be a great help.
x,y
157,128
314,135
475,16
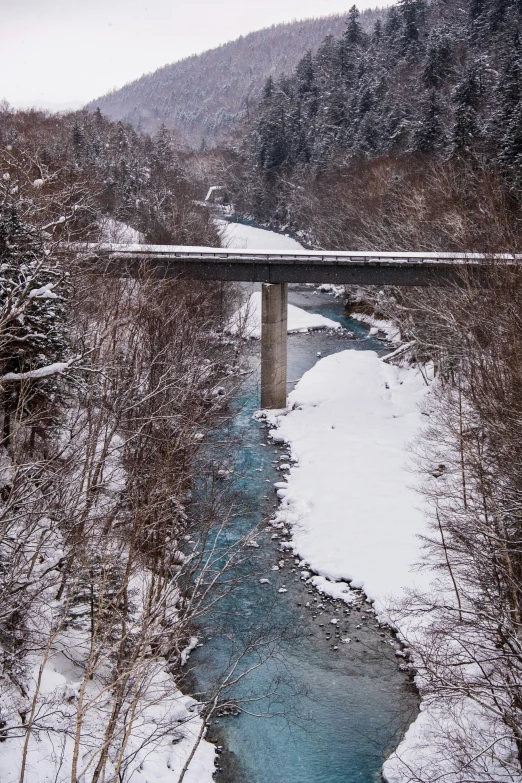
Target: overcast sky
x,y
67,51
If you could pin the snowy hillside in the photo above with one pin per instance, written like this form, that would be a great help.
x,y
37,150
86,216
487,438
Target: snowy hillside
x,y
203,96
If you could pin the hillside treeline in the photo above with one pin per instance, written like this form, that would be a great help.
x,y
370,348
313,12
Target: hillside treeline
x,y
134,178
108,389
418,118
202,98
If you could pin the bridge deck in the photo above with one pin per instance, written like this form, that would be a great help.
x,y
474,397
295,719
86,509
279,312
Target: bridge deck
x,y
299,266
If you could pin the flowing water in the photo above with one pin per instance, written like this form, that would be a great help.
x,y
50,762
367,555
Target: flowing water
x,y
331,710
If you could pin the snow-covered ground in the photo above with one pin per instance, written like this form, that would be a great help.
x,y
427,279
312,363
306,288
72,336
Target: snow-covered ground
x,y
243,237
379,325
159,755
353,512
247,320
119,233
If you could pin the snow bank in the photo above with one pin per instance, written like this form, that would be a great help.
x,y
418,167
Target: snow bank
x,y
240,237
155,756
247,320
388,328
353,513
119,233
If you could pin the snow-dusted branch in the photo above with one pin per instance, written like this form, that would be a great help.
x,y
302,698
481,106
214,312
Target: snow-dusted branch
x,y
57,368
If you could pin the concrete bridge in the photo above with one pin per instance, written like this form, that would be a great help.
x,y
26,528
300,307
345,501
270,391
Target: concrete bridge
x,y
276,269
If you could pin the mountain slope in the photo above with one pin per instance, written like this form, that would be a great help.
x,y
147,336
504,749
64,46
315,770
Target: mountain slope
x,y
203,96
438,84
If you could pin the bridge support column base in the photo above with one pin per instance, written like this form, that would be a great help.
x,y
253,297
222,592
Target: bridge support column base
x,y
274,318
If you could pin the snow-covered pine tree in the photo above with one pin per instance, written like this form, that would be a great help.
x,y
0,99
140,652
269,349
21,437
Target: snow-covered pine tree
x,y
437,62
354,34
429,136
509,85
510,155
466,127
412,15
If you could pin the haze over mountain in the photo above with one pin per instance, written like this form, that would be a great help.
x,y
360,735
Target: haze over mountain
x,y
203,96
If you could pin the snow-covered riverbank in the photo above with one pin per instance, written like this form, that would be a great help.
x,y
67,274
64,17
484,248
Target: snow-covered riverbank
x,y
354,514
156,755
350,496
243,237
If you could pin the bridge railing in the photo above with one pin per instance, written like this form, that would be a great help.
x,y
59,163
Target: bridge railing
x,y
298,266
190,253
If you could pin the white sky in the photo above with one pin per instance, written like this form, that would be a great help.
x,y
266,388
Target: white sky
x,y
68,51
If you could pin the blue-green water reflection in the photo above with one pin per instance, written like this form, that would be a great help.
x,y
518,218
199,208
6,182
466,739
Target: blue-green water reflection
x,y
335,713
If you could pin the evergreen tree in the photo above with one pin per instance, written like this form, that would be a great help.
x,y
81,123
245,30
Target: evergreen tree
x,y
391,39
35,334
429,137
78,137
478,21
510,152
268,89
273,147
511,79
304,75
509,89
466,128
413,16
465,131
477,9
498,14
354,34
377,33
164,156
392,24
369,135
437,62
33,322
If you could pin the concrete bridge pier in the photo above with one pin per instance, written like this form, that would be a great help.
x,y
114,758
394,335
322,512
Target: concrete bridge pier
x,y
274,318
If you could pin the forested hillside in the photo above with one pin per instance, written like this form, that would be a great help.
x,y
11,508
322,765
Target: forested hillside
x,y
436,84
204,96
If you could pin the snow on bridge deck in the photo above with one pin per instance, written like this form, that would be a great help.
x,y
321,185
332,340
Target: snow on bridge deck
x,y
295,266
